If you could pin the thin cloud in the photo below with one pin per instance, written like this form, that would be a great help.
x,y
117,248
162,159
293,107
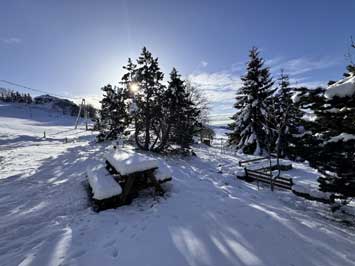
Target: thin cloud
x,y
213,80
12,40
221,87
204,63
302,65
218,86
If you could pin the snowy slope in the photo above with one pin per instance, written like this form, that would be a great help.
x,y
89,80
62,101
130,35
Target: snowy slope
x,y
206,218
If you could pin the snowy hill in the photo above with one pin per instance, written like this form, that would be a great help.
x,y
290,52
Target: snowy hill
x,y
206,218
56,104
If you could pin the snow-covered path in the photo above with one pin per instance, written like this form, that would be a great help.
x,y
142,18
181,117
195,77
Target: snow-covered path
x,y
206,218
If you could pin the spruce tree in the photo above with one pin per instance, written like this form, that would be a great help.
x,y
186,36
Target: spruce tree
x,y
182,114
250,126
336,119
287,119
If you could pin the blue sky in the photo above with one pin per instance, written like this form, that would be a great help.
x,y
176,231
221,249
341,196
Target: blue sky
x,y
75,47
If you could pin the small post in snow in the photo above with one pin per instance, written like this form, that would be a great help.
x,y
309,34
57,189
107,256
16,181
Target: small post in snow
x,y
44,134
86,115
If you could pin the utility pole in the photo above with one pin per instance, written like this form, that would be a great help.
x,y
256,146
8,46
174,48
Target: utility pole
x,y
86,115
80,107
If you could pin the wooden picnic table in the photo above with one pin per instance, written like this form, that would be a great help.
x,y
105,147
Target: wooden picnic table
x,y
134,182
124,174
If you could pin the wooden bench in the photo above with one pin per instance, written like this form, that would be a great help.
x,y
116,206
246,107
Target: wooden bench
x,y
252,160
106,192
282,167
281,182
274,166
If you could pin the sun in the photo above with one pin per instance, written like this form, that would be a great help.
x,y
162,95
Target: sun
x,y
133,87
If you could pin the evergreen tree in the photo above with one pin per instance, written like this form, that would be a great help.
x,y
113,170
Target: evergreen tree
x,y
181,112
250,126
128,79
114,112
148,99
336,131
287,119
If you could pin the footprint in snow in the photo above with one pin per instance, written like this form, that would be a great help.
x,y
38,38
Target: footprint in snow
x,y
123,229
114,252
77,254
109,243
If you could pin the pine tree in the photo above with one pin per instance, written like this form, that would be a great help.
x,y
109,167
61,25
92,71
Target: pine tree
x,y
287,119
250,126
114,112
149,97
128,79
181,112
336,131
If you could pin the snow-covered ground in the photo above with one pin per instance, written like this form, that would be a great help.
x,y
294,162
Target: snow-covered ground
x,y
206,217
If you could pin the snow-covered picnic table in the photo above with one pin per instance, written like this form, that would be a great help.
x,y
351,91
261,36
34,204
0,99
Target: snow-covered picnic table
x,y
128,162
126,173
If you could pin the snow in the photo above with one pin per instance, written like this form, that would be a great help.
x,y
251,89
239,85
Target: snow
x,y
313,192
342,137
296,97
342,88
102,183
127,161
205,218
221,131
163,172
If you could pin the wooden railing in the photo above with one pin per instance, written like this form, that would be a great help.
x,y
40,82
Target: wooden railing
x,y
281,182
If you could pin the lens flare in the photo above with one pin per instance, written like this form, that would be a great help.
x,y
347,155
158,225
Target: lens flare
x,y
133,87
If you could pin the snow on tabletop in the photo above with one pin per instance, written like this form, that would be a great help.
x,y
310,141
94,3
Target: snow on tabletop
x,y
163,172
127,162
102,183
342,88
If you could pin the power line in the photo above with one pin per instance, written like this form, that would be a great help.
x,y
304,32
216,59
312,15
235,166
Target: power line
x,y
36,90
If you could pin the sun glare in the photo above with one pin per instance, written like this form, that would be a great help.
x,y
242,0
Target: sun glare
x,y
133,87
